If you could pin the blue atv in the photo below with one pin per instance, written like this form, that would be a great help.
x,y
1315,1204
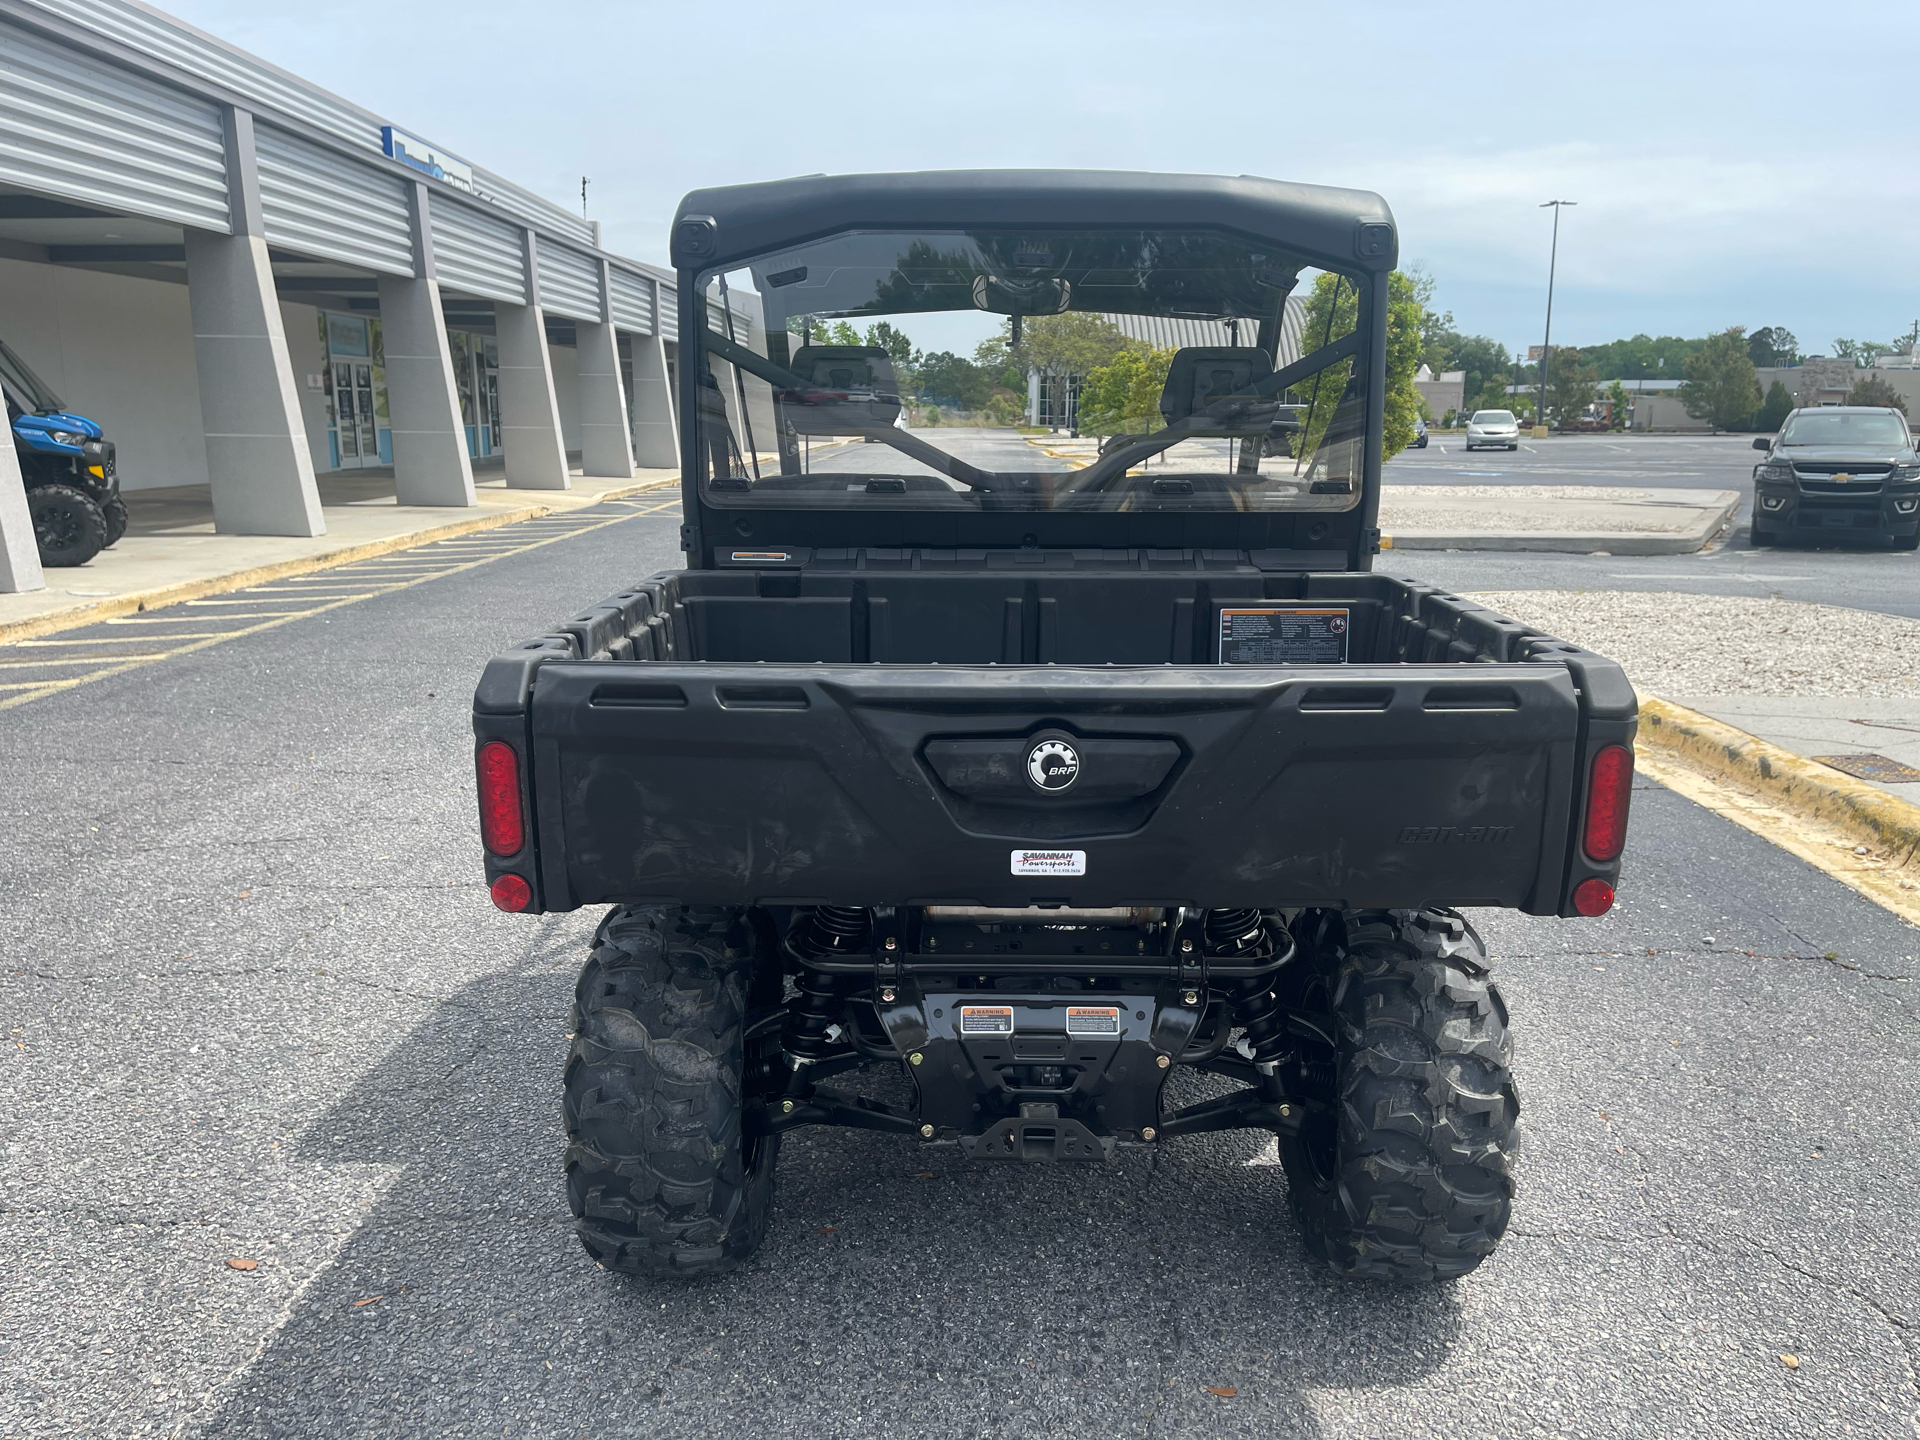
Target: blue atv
x,y
73,491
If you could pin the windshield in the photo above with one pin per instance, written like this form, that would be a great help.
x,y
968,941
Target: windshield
x,y
23,387
1839,427
1070,370
1493,417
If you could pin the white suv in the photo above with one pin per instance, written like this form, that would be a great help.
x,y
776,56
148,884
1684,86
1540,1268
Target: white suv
x,y
1493,427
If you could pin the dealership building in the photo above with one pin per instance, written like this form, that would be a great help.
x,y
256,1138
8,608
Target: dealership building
x,y
250,282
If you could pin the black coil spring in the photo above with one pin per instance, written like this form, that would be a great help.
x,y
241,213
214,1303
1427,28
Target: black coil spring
x,y
1234,932
1259,1015
810,1013
835,930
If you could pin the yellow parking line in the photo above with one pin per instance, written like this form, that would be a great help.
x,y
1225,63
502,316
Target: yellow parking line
x,y
119,665
120,640
261,599
42,664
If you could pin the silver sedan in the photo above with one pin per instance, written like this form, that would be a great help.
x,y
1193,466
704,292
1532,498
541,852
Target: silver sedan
x,y
1495,428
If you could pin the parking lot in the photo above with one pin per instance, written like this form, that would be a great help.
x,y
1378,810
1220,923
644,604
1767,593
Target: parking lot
x,y
259,1009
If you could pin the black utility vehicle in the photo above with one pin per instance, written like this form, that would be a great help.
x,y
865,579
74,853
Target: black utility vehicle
x,y
1101,801
1839,472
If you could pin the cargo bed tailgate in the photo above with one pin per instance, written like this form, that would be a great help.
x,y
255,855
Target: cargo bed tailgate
x,y
765,784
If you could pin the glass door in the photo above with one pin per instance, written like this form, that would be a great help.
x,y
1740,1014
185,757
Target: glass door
x,y
489,358
356,392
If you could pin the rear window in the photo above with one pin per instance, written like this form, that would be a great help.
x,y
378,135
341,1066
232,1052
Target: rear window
x,y
1113,370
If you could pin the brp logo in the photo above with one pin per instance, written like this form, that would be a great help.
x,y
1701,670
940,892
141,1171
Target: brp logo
x,y
1053,765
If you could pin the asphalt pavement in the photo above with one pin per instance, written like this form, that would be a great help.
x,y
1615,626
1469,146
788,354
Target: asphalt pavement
x,y
1864,579
258,1008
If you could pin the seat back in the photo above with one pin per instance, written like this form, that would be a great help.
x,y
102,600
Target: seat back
x,y
1202,377
853,388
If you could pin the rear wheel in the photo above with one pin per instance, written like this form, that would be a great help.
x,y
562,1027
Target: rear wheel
x,y
1406,1174
661,1178
114,512
67,525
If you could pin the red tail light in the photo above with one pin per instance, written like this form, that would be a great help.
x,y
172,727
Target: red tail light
x,y
502,827
1608,791
1590,897
511,893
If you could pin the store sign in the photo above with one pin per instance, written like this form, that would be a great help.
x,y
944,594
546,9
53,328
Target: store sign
x,y
430,160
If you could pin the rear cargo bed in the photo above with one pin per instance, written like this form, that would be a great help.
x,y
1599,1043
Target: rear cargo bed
x,y
776,736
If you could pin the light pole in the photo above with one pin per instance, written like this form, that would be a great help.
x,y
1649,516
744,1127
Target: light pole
x,y
1546,344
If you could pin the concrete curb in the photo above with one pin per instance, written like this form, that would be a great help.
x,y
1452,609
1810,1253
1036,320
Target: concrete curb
x,y
1793,783
1578,542
91,611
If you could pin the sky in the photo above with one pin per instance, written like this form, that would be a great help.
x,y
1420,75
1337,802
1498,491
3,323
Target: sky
x,y
1734,164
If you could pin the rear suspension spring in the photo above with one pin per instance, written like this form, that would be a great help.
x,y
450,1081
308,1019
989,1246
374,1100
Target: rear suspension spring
x,y
1235,932
835,930
1259,1015
810,1014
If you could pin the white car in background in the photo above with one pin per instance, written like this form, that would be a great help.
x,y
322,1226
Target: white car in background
x,y
1493,427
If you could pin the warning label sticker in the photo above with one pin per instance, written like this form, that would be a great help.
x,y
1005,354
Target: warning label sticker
x,y
1277,635
986,1020
1093,1020
1049,862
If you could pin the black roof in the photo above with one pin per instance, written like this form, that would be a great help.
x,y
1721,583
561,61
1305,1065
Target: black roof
x,y
1347,229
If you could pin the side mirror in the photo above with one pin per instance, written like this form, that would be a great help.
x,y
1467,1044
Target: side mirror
x,y
1763,444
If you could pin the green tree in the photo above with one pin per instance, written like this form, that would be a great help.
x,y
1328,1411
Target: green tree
x,y
1720,386
1872,390
843,334
1773,345
1619,400
898,347
1123,397
1641,358
1861,352
1332,311
996,357
1774,409
951,380
1484,360
1062,346
1570,382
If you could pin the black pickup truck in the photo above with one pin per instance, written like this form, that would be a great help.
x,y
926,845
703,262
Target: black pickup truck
x,y
1058,797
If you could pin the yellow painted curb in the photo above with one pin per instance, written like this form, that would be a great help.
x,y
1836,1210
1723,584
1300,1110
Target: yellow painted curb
x,y
1824,817
161,595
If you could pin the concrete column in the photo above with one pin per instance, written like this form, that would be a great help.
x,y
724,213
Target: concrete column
x,y
430,462
529,414
606,446
258,464
656,425
19,551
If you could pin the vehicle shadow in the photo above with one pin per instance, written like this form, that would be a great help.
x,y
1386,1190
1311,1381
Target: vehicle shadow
x,y
902,1291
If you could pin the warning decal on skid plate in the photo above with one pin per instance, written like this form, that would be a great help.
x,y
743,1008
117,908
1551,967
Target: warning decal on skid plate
x,y
1049,862
986,1020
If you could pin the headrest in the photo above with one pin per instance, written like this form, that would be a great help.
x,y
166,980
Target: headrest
x,y
845,367
1201,376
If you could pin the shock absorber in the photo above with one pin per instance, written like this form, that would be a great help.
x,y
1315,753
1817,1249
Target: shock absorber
x,y
831,930
1235,932
1259,1015
809,1016
835,930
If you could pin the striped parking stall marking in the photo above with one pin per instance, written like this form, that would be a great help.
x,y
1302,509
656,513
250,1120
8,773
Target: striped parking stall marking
x,y
281,602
